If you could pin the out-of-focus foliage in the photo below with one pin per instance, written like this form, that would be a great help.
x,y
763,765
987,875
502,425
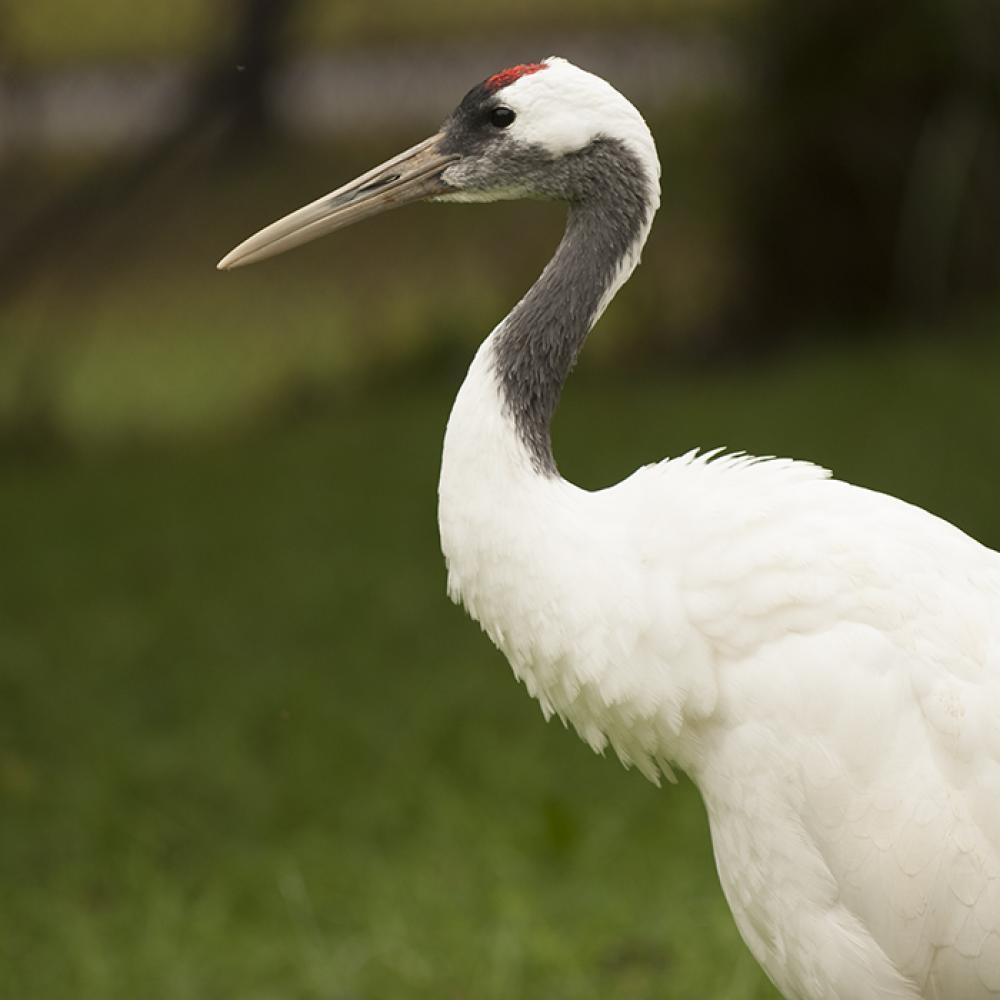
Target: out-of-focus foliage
x,y
51,32
128,329
872,174
849,171
335,24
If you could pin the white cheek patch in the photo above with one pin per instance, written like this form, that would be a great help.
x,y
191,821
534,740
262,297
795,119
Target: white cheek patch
x,y
544,121
563,108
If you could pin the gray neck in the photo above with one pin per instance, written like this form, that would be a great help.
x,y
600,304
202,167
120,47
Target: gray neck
x,y
537,345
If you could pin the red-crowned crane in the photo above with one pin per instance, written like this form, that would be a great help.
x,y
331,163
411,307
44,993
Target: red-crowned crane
x,y
822,660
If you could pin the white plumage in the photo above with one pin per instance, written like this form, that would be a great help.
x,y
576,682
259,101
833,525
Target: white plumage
x,y
822,660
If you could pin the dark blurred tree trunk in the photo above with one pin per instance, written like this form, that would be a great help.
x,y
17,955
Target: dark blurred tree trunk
x,y
237,89
872,174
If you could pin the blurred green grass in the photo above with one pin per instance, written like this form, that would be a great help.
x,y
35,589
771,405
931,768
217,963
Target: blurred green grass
x,y
249,749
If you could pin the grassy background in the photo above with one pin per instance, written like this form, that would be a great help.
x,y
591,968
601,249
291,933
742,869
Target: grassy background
x,y
249,749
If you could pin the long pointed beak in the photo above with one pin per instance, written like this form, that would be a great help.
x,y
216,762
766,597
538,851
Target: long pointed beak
x,y
411,176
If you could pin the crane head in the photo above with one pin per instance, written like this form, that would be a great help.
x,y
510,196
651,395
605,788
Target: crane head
x,y
526,132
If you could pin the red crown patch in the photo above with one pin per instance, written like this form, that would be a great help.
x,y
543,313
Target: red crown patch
x,y
507,76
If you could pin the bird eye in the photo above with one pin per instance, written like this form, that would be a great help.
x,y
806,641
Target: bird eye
x,y
502,117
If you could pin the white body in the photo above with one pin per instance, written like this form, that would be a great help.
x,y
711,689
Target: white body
x,y
822,660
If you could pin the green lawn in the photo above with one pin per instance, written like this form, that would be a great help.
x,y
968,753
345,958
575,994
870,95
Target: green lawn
x,y
249,750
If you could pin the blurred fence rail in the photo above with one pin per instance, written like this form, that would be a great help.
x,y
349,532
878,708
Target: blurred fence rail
x,y
340,94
